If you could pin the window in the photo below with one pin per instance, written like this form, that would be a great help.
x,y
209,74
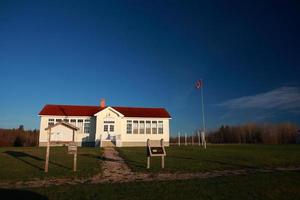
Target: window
x,y
142,127
135,127
73,122
66,120
112,128
50,122
80,124
109,122
154,127
129,127
58,120
87,126
148,127
105,128
160,127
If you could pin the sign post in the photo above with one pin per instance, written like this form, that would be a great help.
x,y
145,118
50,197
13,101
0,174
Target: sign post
x,y
72,149
156,148
178,138
48,151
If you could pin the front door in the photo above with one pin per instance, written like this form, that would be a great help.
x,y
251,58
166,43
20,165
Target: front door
x,y
112,132
109,129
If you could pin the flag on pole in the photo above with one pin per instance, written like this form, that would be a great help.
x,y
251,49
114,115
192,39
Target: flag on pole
x,y
199,84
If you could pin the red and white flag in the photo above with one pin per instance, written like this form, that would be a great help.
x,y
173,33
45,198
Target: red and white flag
x,y
199,84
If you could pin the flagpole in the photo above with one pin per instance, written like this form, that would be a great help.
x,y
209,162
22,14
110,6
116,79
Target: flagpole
x,y
203,119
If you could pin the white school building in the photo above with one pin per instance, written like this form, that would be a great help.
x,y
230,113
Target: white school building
x,y
103,125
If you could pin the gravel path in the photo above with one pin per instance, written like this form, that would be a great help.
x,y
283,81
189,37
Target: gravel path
x,y
116,170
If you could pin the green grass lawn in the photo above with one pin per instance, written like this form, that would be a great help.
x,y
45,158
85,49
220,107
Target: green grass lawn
x,y
267,186
24,163
215,157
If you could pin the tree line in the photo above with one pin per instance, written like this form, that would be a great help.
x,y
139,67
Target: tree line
x,y
284,133
19,137
250,133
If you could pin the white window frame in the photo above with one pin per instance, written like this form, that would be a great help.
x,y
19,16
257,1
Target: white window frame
x,y
51,122
160,126
135,129
105,128
148,128
87,126
154,127
142,128
129,123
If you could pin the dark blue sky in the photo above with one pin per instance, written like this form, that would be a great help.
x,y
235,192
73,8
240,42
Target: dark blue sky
x,y
150,53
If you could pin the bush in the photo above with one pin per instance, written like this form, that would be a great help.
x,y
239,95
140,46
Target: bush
x,y
18,142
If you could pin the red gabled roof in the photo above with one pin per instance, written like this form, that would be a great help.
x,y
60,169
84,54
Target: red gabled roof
x,y
143,112
69,110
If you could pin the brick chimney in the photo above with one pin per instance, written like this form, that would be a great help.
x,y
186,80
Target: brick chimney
x,y
102,103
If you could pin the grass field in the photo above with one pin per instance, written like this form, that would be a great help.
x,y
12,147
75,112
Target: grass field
x,y
268,186
23,163
215,157
28,163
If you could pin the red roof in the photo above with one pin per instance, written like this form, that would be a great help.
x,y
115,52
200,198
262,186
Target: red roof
x,y
68,110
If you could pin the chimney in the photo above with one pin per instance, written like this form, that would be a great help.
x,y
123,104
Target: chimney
x,y
102,103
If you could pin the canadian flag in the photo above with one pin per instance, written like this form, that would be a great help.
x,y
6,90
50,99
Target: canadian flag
x,y
199,84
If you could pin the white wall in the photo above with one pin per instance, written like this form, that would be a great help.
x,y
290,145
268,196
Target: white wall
x,y
121,127
107,115
143,137
80,135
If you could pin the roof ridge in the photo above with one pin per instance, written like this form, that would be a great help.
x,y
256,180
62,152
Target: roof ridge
x,y
69,105
80,110
105,106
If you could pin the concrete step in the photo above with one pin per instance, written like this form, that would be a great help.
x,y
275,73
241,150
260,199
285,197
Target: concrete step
x,y
108,144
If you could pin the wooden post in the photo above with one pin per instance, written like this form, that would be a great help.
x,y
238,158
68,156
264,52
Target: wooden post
x,y
178,138
48,151
75,162
185,141
162,157
148,156
199,138
75,154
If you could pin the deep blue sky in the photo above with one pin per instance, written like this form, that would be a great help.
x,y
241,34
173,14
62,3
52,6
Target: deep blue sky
x,y
135,53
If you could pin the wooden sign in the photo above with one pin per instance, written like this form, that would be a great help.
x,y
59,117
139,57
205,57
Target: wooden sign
x,y
156,151
72,148
156,148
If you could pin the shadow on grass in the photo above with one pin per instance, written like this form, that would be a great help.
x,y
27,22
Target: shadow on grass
x,y
102,158
222,163
21,194
239,166
22,157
